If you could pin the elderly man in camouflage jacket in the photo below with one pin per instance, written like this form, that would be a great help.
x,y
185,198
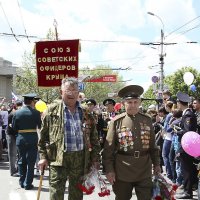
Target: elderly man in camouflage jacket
x,y
69,142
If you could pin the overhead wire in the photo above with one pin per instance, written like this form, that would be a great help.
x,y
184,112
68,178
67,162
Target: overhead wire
x,y
182,26
23,21
8,22
100,41
184,31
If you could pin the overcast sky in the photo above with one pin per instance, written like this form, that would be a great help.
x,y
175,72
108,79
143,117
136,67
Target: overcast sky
x,y
126,23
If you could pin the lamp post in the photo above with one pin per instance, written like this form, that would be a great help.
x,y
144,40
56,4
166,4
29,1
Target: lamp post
x,y
161,51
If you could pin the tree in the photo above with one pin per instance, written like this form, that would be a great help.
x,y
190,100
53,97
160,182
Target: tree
x,y
26,80
149,98
176,83
99,91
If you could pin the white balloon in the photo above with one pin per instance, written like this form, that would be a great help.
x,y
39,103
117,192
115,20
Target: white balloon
x,y
188,78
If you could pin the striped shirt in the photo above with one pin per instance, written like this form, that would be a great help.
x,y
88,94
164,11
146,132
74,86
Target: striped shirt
x,y
73,130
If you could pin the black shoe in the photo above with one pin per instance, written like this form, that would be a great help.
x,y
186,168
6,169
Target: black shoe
x,y
29,187
15,175
184,196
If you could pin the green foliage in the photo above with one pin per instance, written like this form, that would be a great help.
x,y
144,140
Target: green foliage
x,y
26,81
149,94
99,91
176,83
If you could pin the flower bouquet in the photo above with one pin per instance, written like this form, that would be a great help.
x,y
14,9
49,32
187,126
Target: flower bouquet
x,y
89,182
163,190
86,184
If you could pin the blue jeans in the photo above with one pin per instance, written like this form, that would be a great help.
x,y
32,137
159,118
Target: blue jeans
x,y
172,163
179,172
165,155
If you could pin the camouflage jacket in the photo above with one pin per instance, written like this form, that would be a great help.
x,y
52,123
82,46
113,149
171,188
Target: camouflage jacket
x,y
51,143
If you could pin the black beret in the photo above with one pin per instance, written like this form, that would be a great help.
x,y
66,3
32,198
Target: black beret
x,y
131,92
91,101
109,101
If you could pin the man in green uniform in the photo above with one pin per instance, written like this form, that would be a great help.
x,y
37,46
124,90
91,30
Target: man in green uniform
x,y
25,123
130,149
69,142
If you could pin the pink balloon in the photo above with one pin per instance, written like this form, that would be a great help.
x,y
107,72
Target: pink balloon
x,y
191,143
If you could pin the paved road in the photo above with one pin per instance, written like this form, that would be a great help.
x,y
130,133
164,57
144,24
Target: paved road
x,y
10,189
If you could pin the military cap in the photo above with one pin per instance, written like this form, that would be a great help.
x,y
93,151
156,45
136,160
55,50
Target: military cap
x,y
183,97
37,98
131,92
91,101
109,101
30,96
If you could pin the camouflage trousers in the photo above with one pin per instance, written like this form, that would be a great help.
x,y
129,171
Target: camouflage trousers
x,y
72,170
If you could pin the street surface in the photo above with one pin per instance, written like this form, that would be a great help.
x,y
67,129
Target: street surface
x,y
10,189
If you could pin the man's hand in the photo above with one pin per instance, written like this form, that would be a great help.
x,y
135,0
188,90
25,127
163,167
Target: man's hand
x,y
111,177
43,164
156,170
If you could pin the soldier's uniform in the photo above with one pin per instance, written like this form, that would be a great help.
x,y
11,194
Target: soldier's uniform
x,y
25,122
188,123
98,119
107,116
130,151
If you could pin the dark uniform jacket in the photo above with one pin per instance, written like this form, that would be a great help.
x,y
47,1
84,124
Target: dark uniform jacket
x,y
25,123
10,130
188,123
198,121
130,148
52,143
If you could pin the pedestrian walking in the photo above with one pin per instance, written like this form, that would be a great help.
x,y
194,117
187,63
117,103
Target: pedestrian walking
x,y
68,142
11,141
25,123
130,149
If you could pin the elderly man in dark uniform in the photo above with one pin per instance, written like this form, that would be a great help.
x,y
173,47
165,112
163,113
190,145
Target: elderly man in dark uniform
x,y
107,116
25,123
130,149
188,123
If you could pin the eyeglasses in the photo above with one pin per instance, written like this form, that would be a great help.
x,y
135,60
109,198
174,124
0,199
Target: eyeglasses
x,y
71,91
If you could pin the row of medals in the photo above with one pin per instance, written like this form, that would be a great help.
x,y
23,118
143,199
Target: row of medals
x,y
125,138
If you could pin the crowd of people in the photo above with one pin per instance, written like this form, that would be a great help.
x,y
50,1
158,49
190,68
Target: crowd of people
x,y
171,121
76,132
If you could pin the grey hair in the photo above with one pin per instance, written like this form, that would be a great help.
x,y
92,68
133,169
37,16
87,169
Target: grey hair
x,y
70,80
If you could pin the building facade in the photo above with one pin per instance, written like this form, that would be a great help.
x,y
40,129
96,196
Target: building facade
x,y
7,74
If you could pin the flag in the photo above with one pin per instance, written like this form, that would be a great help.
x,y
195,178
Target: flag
x,y
14,97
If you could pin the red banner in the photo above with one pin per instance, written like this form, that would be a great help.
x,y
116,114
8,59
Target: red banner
x,y
106,78
55,60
